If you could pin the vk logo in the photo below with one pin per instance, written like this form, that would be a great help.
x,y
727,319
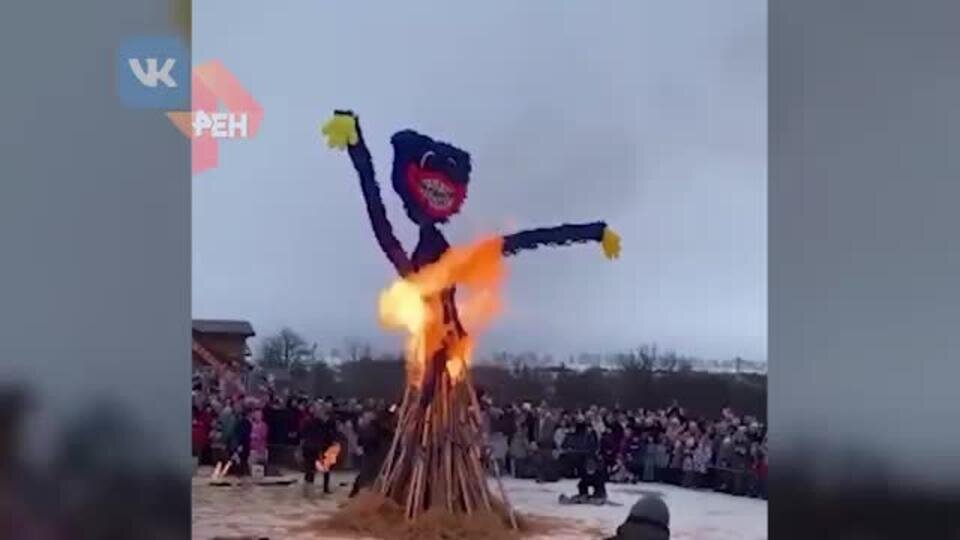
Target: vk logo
x,y
153,73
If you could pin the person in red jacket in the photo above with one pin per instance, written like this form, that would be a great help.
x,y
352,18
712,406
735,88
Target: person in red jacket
x,y
200,430
761,468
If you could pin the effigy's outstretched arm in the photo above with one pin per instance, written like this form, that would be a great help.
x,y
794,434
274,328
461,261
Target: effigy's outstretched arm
x,y
563,235
343,131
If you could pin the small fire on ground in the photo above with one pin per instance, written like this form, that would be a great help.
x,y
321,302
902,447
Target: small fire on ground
x,y
329,458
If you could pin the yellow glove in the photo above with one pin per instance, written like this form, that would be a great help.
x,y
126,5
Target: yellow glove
x,y
610,243
341,131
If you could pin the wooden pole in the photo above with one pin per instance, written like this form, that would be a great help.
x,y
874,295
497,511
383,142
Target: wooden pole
x,y
447,460
388,462
496,468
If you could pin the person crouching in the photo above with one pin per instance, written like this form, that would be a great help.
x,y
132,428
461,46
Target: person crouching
x,y
593,481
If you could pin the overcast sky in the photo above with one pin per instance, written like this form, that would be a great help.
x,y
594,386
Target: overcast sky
x,y
651,116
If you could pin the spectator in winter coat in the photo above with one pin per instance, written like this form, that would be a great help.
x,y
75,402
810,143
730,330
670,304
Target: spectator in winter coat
x,y
274,416
649,519
761,468
259,435
583,439
725,454
701,460
530,424
560,435
373,438
351,455
547,428
725,458
200,431
676,462
577,445
611,443
650,460
741,461
519,450
689,475
548,468
663,458
227,427
634,452
293,417
241,439
318,433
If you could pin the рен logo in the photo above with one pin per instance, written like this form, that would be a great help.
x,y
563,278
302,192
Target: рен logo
x,y
212,84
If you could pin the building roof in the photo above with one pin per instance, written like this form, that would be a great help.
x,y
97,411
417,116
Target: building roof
x,y
220,326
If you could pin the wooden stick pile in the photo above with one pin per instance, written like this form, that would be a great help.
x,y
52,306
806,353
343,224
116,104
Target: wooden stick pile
x,y
437,456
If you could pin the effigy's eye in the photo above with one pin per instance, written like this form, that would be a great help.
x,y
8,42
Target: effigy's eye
x,y
423,160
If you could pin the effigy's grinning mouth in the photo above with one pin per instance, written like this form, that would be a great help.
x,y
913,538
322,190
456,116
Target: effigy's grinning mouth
x,y
437,193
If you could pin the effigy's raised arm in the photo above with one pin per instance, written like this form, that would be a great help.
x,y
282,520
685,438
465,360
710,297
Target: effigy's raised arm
x,y
564,235
343,132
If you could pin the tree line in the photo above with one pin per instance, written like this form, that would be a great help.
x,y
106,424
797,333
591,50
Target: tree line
x,y
644,377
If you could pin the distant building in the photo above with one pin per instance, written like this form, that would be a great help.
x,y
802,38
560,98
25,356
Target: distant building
x,y
221,344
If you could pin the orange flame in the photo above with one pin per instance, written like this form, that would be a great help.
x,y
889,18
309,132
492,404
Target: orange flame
x,y
414,304
329,458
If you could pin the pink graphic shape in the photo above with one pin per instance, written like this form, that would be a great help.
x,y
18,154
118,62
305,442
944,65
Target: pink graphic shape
x,y
212,82
203,147
228,89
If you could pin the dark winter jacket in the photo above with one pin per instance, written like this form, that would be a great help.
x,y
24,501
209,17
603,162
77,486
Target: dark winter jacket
x,y
581,439
319,433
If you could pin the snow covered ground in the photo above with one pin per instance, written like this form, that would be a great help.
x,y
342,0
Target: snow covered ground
x,y
275,511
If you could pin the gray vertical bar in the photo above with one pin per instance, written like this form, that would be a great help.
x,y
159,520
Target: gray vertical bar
x,y
94,293
864,265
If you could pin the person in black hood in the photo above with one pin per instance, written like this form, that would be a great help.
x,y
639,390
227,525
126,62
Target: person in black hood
x,y
242,438
592,485
611,442
577,445
649,519
318,433
374,439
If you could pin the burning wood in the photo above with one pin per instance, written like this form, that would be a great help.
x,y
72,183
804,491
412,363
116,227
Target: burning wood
x,y
438,457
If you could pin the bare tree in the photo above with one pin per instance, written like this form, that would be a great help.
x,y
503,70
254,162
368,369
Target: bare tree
x,y
668,361
356,350
283,350
648,356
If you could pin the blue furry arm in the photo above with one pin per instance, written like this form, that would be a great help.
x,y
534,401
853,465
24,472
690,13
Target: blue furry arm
x,y
553,236
363,163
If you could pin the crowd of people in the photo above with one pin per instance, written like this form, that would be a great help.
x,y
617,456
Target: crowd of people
x,y
270,428
728,453
595,444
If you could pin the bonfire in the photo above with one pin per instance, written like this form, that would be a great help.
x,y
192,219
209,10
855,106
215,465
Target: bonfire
x,y
438,457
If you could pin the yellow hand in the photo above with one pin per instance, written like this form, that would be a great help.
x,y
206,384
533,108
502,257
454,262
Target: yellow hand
x,y
611,244
341,131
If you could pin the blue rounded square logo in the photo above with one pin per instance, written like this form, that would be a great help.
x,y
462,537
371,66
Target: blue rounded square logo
x,y
153,73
